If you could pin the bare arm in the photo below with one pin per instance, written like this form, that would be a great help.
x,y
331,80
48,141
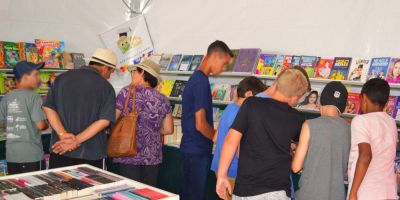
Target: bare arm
x,y
167,125
202,125
54,120
302,148
92,130
42,125
364,159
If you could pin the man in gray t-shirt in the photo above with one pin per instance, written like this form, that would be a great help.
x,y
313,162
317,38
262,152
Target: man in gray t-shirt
x,y
22,116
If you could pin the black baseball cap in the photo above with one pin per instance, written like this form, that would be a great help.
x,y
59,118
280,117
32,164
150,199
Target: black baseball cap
x,y
24,67
334,94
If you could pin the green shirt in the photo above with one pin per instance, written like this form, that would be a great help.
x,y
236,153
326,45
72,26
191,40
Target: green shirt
x,y
20,110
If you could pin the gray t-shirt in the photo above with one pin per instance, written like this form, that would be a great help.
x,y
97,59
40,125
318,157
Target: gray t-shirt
x,y
326,161
20,110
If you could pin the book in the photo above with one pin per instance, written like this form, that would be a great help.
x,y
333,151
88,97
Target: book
x,y
219,91
287,63
12,53
279,59
2,61
185,63
246,60
31,53
50,52
353,104
393,75
233,60
340,68
196,61
177,112
175,61
178,88
150,194
309,63
296,61
323,70
45,82
359,69
167,86
396,113
378,68
78,59
164,61
390,106
7,82
67,60
266,64
311,101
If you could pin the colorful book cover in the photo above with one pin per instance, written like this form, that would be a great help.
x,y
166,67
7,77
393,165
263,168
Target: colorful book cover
x,y
246,60
233,95
396,113
296,61
359,69
174,64
179,86
2,61
393,75
390,106
12,53
50,52
309,63
279,59
31,53
378,68
196,61
287,63
228,93
167,86
7,82
323,70
311,101
185,63
150,194
164,61
340,68
353,104
233,60
45,82
219,91
266,64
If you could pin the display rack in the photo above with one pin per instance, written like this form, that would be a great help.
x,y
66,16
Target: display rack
x,y
42,70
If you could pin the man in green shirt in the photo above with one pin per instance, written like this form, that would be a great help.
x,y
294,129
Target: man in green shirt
x,y
22,116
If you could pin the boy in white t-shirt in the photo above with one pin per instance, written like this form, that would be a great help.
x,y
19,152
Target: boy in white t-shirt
x,y
373,146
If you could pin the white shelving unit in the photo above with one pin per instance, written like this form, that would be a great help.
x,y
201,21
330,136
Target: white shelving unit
x,y
42,70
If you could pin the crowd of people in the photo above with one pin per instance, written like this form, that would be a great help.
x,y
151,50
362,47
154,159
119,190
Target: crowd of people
x,y
261,139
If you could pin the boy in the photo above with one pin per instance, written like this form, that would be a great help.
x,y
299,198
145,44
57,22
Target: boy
x,y
248,87
373,146
264,127
323,149
197,122
22,116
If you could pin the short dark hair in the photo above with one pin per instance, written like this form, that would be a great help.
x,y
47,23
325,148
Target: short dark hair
x,y
153,81
94,63
219,46
252,84
377,90
305,74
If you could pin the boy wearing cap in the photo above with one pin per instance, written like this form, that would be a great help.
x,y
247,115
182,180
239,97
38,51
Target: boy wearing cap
x,y
373,146
323,148
22,116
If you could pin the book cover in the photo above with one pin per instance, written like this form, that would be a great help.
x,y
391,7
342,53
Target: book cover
x,y
287,63
396,113
67,60
393,75
309,63
378,68
353,104
177,112
228,93
164,61
266,64
50,52
178,88
185,63
279,59
233,60
359,69
296,61
196,61
31,53
175,61
7,82
340,68
149,193
167,86
78,59
323,69
246,60
219,91
12,53
45,82
311,101
390,106
2,61
233,94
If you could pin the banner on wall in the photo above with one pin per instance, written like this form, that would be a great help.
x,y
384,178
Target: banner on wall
x,y
131,42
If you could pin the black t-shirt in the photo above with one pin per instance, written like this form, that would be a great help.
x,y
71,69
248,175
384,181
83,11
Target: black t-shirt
x,y
267,126
81,97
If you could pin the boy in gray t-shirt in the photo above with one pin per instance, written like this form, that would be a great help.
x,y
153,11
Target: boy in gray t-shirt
x,y
22,116
323,149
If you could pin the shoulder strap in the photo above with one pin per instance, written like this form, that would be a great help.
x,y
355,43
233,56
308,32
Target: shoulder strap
x,y
132,89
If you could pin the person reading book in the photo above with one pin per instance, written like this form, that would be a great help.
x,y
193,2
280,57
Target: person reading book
x,y
22,115
373,146
197,121
264,127
323,148
248,87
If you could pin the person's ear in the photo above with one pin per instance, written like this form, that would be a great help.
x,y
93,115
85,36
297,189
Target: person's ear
x,y
248,94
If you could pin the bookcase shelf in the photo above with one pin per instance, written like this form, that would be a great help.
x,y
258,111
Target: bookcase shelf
x,y
42,70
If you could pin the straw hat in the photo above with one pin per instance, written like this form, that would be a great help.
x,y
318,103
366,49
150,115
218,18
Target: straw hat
x,y
150,67
105,57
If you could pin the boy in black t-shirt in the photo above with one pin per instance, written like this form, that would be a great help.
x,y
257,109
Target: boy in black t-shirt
x,y
264,127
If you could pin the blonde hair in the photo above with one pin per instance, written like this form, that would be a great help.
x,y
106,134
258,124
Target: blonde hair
x,y
292,82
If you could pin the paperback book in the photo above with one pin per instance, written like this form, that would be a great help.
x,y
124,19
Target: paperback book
x,y
7,82
396,113
279,59
31,53
78,59
378,68
340,68
353,104
296,61
359,69
233,60
219,91
67,60
390,106
266,64
12,53
287,63
178,88
2,61
50,52
393,75
309,64
323,70
164,61
185,63
196,61
246,60
167,86
175,61
177,112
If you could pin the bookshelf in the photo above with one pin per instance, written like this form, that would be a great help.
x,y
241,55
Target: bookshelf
x,y
42,70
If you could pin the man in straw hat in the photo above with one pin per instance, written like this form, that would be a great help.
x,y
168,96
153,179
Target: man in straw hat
x,y
79,107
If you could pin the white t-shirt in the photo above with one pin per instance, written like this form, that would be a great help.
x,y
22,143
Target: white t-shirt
x,y
379,130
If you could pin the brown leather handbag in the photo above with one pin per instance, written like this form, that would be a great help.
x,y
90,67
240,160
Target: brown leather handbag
x,y
122,141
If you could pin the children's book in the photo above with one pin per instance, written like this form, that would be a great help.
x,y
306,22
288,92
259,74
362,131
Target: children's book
x,y
287,63
353,104
219,91
378,68
196,61
78,59
178,88
50,52
323,70
340,68
266,64
67,60
393,75
12,53
175,61
359,69
7,82
246,60
31,53
396,113
296,61
185,63
233,60
309,63
45,82
390,106
164,61
279,59
2,61
167,86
